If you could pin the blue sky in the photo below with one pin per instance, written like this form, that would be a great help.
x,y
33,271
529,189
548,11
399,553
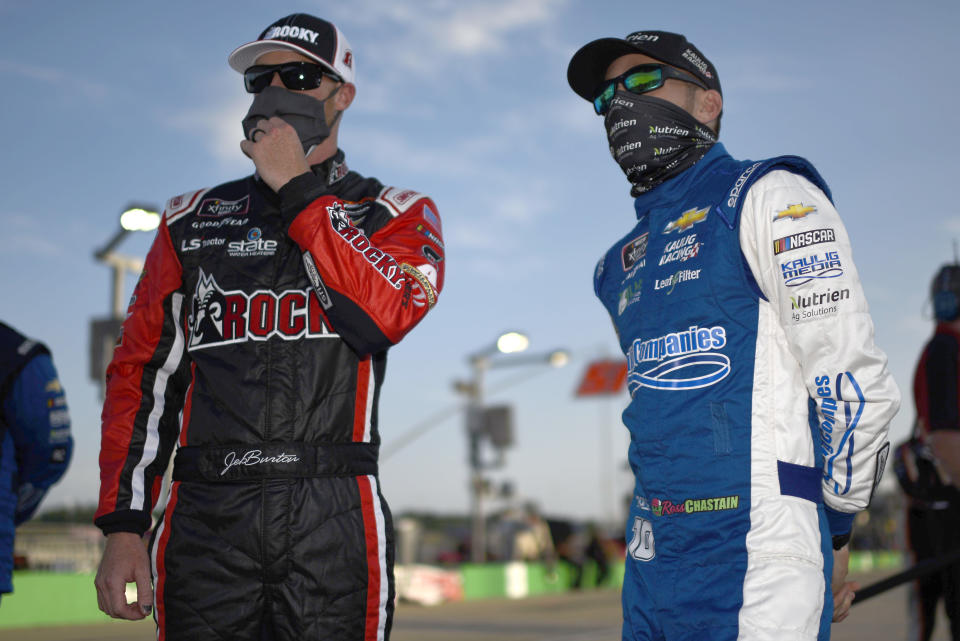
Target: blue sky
x,y
109,102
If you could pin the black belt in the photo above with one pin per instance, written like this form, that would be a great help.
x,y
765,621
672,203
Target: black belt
x,y
250,461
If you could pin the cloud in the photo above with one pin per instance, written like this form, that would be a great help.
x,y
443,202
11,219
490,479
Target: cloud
x,y
477,29
217,123
30,235
426,38
473,234
915,323
952,225
757,74
55,77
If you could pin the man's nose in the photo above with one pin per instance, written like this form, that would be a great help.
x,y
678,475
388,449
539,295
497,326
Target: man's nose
x,y
275,80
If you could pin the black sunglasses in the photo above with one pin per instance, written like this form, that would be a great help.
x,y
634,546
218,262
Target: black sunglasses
x,y
298,76
639,79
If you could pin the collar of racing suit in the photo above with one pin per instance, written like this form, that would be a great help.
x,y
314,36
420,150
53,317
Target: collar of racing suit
x,y
678,187
331,171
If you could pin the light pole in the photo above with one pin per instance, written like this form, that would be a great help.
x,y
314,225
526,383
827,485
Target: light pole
x,y
104,331
133,218
478,423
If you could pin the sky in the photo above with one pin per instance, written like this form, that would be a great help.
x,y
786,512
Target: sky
x,y
107,103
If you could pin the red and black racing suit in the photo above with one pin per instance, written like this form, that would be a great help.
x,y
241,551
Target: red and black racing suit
x,y
933,527
255,347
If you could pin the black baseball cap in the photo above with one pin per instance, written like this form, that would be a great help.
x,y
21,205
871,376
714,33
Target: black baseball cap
x,y
308,35
589,64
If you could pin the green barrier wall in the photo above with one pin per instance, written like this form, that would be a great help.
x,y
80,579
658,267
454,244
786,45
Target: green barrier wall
x,y
49,598
518,580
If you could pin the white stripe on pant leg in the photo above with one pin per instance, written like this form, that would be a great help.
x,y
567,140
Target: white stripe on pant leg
x,y
381,557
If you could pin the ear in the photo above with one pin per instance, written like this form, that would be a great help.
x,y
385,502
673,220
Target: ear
x,y
708,106
345,96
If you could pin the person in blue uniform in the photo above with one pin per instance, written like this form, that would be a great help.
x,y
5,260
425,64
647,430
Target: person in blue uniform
x,y
35,440
759,403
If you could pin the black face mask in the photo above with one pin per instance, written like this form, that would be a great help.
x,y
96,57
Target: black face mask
x,y
303,113
653,140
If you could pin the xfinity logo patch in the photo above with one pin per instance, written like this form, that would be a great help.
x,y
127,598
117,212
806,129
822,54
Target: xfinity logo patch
x,y
634,251
215,207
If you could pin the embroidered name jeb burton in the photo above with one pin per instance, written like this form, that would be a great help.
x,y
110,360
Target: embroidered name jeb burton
x,y
254,457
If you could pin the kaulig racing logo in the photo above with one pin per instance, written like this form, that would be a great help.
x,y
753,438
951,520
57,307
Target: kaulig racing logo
x,y
219,317
679,360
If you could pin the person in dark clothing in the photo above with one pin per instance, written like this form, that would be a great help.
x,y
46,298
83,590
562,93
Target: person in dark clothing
x,y
933,522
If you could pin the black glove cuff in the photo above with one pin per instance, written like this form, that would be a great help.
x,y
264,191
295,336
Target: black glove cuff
x,y
839,540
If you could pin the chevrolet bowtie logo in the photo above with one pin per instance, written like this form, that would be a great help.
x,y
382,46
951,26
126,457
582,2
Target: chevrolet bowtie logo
x,y
795,212
687,220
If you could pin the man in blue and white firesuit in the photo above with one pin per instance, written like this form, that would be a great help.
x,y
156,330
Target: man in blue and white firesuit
x,y
760,403
35,440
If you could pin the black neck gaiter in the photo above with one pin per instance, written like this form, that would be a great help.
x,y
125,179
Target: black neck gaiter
x,y
302,112
653,140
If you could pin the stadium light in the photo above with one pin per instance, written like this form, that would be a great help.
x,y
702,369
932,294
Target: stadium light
x,y
509,344
104,331
136,218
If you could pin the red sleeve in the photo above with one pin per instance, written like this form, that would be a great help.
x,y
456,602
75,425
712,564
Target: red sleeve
x,y
145,382
373,289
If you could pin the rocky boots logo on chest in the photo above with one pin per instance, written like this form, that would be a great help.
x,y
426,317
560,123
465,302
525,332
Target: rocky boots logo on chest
x,y
219,317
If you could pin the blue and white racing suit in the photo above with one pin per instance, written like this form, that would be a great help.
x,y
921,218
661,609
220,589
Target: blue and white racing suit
x,y
759,402
35,440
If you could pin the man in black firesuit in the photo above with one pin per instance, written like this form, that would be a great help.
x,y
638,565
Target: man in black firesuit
x,y
254,347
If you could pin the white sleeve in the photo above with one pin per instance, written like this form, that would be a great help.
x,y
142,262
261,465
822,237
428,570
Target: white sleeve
x,y
799,253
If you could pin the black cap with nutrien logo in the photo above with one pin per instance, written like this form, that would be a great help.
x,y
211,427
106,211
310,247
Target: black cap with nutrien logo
x,y
589,64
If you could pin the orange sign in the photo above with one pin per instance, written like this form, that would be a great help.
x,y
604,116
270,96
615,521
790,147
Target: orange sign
x,y
603,377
